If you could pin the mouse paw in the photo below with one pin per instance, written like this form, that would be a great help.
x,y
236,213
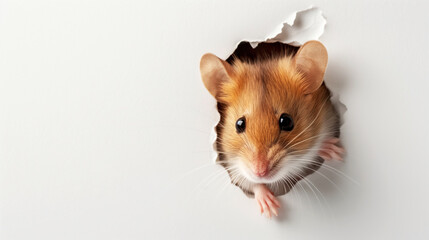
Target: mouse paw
x,y
267,202
331,149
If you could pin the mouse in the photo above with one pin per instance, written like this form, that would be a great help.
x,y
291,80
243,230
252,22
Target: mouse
x,y
277,120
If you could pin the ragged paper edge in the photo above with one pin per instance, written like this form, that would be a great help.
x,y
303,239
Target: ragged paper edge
x,y
300,27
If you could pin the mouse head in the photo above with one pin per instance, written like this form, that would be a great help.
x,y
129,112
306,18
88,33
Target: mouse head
x,y
273,109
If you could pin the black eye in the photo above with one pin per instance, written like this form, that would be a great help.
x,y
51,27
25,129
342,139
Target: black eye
x,y
240,125
286,122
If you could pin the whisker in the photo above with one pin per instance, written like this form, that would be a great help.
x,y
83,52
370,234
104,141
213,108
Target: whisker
x,y
328,168
324,176
298,184
233,174
305,129
309,182
326,202
212,178
316,136
290,185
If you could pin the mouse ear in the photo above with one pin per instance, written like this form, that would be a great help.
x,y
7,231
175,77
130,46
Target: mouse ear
x,y
214,72
311,60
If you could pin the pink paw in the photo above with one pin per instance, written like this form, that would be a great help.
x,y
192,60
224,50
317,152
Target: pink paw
x,y
267,202
331,149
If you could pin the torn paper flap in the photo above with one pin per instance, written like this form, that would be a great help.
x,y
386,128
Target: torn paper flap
x,y
300,27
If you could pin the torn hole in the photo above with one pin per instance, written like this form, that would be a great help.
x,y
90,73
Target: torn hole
x,y
299,28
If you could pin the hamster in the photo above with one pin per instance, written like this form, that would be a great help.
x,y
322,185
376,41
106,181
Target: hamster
x,y
277,122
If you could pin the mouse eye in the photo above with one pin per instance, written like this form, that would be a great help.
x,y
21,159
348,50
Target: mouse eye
x,y
240,125
286,122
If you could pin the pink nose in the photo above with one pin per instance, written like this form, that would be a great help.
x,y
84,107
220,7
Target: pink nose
x,y
261,173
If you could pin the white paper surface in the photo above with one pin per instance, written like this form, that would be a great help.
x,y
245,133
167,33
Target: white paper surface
x,y
105,122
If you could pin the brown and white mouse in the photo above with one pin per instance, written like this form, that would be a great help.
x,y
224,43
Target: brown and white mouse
x,y
277,122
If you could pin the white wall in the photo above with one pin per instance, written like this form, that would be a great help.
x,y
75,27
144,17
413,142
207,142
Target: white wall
x,y
104,122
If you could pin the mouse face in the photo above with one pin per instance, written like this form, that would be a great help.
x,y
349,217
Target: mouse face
x,y
274,115
268,118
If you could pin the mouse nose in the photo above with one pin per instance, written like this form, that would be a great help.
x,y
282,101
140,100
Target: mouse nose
x,y
261,168
261,173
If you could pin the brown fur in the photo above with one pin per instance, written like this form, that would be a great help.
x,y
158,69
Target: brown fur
x,y
262,92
